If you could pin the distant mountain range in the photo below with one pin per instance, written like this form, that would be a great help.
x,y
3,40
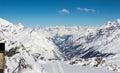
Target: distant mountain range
x,y
30,50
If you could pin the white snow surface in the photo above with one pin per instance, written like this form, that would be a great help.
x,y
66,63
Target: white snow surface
x,y
62,67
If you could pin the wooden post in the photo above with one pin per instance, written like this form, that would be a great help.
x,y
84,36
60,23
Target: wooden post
x,y
2,50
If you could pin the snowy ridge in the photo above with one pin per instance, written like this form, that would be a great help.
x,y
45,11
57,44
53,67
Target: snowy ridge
x,y
34,50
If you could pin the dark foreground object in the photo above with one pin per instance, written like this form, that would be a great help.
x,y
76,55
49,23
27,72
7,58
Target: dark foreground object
x,y
2,49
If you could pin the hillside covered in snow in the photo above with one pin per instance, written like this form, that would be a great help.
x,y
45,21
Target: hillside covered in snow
x,y
61,49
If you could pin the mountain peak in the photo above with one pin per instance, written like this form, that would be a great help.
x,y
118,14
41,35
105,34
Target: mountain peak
x,y
4,22
118,21
115,23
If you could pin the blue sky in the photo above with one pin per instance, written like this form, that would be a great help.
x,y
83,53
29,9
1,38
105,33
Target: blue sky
x,y
60,12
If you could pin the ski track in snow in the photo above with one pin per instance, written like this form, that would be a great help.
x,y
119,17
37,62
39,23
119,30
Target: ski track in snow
x,y
53,68
57,68
60,68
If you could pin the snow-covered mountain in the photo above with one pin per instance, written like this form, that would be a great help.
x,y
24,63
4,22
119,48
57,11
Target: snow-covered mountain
x,y
26,44
34,40
31,50
98,42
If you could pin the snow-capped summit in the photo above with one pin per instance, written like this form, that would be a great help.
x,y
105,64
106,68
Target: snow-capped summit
x,y
114,24
118,20
4,22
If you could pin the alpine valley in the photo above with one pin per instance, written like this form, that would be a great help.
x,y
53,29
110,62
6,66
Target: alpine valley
x,y
61,49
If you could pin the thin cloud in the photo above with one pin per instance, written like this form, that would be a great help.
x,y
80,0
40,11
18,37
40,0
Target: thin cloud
x,y
86,9
64,11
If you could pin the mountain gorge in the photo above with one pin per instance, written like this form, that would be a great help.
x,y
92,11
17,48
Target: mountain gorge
x,y
33,50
